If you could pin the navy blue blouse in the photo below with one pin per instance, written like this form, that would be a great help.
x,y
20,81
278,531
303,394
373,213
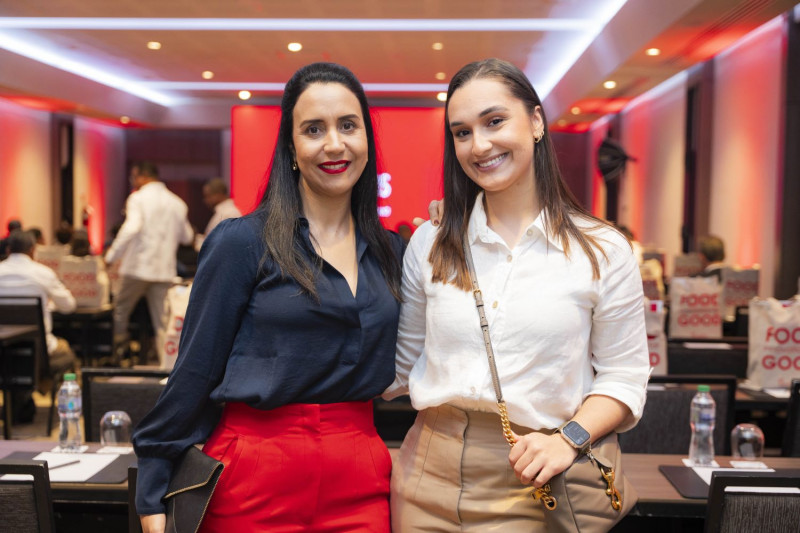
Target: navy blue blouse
x,y
250,336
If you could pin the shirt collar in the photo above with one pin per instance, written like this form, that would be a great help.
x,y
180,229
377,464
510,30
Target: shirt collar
x,y
19,258
479,228
152,184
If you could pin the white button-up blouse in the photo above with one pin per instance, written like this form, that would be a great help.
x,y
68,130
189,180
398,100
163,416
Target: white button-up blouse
x,y
558,335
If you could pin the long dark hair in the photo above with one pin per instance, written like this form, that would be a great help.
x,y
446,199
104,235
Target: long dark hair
x,y
460,192
282,203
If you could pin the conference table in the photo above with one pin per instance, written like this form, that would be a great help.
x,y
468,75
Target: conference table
x,y
104,507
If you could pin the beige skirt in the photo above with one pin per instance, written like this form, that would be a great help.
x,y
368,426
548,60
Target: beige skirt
x,y
453,474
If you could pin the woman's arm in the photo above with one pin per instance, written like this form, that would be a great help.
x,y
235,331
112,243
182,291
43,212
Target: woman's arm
x,y
537,457
621,364
411,330
153,523
184,414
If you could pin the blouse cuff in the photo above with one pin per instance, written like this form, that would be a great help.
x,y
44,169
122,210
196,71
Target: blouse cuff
x,y
629,396
395,389
152,480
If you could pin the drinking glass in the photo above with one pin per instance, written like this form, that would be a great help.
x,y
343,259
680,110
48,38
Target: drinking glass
x,y
115,429
747,441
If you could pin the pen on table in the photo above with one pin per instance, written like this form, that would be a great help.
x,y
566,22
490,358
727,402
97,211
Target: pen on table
x,y
68,463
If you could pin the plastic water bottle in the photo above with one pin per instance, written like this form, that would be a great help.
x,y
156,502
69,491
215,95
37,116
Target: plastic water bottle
x,y
702,419
69,414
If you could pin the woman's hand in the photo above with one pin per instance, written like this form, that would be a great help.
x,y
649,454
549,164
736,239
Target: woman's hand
x,y
153,523
435,212
537,457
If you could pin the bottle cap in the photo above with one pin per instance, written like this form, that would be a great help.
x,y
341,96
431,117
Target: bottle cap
x,y
703,388
69,377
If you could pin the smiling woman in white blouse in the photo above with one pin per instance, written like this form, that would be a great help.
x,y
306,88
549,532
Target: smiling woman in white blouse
x,y
563,299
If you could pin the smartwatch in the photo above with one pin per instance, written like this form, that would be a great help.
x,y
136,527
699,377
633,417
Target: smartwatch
x,y
575,435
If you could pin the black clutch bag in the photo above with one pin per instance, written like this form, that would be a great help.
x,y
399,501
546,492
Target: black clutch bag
x,y
194,479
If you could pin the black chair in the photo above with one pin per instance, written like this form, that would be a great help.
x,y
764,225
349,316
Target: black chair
x,y
773,507
26,505
664,426
30,357
709,360
791,435
134,525
134,391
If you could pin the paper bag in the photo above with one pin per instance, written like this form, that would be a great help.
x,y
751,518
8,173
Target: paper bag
x,y
50,256
86,279
174,311
739,286
773,358
695,310
687,265
652,279
656,338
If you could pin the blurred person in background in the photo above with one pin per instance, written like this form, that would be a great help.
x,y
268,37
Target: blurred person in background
x,y
215,196
38,235
13,225
20,275
712,249
80,246
64,233
147,244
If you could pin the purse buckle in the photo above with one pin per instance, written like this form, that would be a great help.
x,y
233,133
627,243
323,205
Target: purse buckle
x,y
543,494
611,491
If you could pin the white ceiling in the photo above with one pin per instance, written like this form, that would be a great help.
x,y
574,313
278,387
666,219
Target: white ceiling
x,y
51,49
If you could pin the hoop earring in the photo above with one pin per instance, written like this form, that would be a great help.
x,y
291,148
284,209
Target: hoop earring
x,y
539,138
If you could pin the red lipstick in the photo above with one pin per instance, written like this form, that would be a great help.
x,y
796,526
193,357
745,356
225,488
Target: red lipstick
x,y
334,167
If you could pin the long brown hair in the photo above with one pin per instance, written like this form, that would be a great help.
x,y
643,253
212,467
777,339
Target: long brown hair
x,y
554,197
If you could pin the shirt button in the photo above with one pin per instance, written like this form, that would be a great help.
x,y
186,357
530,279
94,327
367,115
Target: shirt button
x,y
509,258
494,305
529,232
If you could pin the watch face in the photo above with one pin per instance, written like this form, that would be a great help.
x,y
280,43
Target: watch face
x,y
574,432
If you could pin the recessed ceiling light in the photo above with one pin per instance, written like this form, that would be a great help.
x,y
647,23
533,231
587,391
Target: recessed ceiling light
x,y
437,46
244,95
442,97
575,110
207,74
124,119
154,45
294,47
653,51
610,84
440,75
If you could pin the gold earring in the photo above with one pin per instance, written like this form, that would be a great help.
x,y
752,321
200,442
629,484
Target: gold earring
x,y
294,165
538,138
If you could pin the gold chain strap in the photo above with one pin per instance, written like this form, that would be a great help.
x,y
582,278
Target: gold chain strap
x,y
542,493
506,424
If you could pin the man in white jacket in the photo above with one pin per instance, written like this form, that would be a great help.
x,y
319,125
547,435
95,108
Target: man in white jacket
x,y
20,275
147,244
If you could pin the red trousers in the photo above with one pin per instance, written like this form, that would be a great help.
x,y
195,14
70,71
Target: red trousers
x,y
299,468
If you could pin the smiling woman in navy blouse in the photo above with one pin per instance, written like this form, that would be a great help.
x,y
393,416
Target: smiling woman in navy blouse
x,y
289,334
